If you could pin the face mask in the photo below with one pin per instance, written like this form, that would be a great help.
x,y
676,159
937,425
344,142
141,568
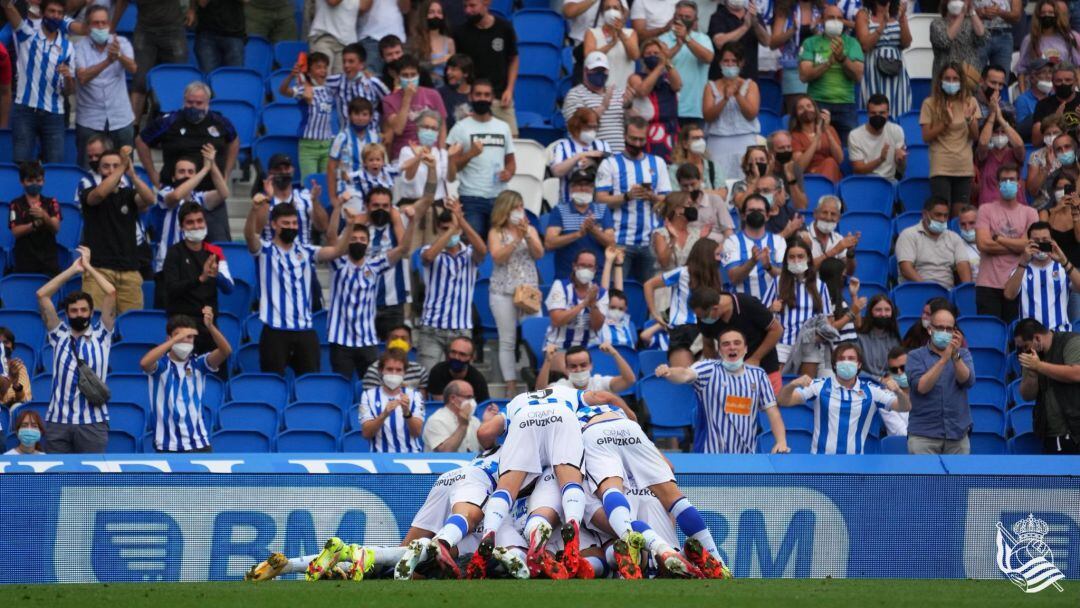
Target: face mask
x,y
587,137
698,146
784,157
517,215
878,122
427,137
454,241
194,115
797,267
357,251
51,25
768,197
282,181
651,62
93,164
1044,86
847,370
195,236
457,366
1047,21
28,437
925,323
730,71
737,4
79,323
182,350
584,275
579,379
950,88
1048,140
392,381
359,129
288,235
99,36
379,217
937,227
1063,91
968,235
1059,194
761,169
581,198
615,315
33,189
833,28
481,107
999,141
691,214
956,7
597,79
1008,189
825,227
1041,256
988,92
468,406
881,322
632,150
941,339
434,23
612,15
473,19
1067,158
732,366
901,379
410,81
755,219
708,320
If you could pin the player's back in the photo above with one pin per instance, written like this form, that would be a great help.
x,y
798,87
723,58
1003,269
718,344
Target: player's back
x,y
543,398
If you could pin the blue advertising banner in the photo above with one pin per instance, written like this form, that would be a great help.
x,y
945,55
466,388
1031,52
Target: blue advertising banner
x,y
210,517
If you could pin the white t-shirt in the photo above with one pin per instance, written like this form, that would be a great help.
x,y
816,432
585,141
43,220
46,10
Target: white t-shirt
x,y
480,176
15,452
656,13
586,20
596,383
337,21
382,20
443,423
863,146
414,188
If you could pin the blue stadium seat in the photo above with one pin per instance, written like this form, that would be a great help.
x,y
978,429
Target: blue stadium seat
x,y
431,406
1020,419
988,390
273,86
605,365
167,82
259,55
530,119
269,145
871,267
671,406
797,441
487,265
243,117
1014,395
306,442
124,356
871,193
126,24
6,145
535,94
905,220
246,359
533,331
240,442
648,360
249,416
237,84
982,331
320,179
128,417
230,327
253,327
28,355
214,392
909,298
772,98
142,325
987,443
122,442
909,122
26,324
768,120
61,182
241,264
10,187
988,362
41,385
330,388
817,186
913,192
148,288
18,291
539,25
318,323
876,228
132,388
1026,443
354,442
280,118
918,161
963,297
483,309
635,296
894,444
796,418
287,51
315,416
70,234
268,388
986,419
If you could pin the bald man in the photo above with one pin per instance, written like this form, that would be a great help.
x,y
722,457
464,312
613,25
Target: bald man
x,y
452,428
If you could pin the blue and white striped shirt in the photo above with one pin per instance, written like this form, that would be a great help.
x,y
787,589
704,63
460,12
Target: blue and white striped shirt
x,y
842,425
1044,295
348,147
40,85
565,149
450,281
577,332
301,199
726,418
285,285
395,286
67,405
622,333
794,318
679,311
394,435
315,117
352,301
176,400
345,90
364,182
635,220
738,248
170,228
660,340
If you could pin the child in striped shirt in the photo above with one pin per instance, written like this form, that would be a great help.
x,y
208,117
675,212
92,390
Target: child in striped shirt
x,y
618,328
346,157
377,171
317,107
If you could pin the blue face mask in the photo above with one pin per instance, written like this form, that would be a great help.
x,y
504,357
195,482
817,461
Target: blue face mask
x,y
941,339
597,79
651,62
28,437
1008,189
33,189
1067,158
730,71
454,241
950,88
707,320
901,380
937,227
194,115
51,25
427,137
732,366
456,365
410,81
847,370
969,235
99,36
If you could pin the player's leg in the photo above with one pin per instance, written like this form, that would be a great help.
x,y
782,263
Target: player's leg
x,y
538,529
669,560
498,505
513,559
700,546
463,519
573,507
276,565
594,556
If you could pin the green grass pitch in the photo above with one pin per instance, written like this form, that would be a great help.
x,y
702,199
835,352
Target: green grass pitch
x,y
773,593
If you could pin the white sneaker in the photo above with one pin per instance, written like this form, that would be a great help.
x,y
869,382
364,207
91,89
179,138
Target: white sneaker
x,y
414,554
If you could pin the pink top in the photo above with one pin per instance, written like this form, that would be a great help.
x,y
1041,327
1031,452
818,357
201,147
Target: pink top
x,y
988,168
1009,221
424,99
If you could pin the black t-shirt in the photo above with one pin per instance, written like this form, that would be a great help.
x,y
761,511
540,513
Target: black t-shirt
x,y
222,17
440,377
109,229
722,22
1048,106
491,50
452,100
159,16
34,252
183,293
177,137
751,318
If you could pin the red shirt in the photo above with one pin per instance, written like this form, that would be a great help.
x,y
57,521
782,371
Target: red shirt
x,y
5,67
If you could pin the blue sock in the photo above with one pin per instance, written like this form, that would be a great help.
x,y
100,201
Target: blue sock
x,y
599,566
617,509
653,542
496,510
692,524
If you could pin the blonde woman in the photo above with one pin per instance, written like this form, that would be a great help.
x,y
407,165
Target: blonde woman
x,y
515,246
950,124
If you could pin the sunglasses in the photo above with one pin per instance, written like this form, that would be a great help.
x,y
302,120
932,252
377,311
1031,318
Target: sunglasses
x,y
899,369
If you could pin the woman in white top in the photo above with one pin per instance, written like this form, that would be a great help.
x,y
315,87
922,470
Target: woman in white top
x,y
581,15
515,246
796,297
619,43
410,186
730,108
28,428
672,242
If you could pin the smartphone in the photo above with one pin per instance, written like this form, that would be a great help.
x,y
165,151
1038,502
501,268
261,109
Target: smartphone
x,y
1070,189
1046,246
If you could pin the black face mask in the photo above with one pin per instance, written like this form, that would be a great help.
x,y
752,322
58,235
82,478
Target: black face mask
x,y
79,323
877,122
784,157
690,213
93,164
988,92
632,150
357,251
473,19
1047,21
434,23
1063,91
755,219
380,217
762,168
281,180
481,107
881,322
288,235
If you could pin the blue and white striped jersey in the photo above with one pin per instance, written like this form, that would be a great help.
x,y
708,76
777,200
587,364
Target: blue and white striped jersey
x,y
739,247
170,228
348,147
843,416
577,332
176,402
635,220
395,286
40,85
394,436
316,117
450,279
660,340
363,182
566,148
1044,295
623,333
794,318
345,90
352,301
726,419
285,285
67,405
679,311
301,199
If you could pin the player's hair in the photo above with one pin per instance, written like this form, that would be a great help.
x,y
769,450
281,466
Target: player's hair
x,y
188,208
283,210
393,354
74,297
360,104
843,347
573,350
180,321
30,169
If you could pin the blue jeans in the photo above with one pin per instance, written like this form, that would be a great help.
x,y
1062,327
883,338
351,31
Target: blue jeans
x,y
30,125
842,118
639,263
214,51
478,213
998,49
120,137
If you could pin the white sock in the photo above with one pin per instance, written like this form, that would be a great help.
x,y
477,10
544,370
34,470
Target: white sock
x,y
496,511
618,512
454,530
598,566
654,543
573,502
387,556
298,564
609,555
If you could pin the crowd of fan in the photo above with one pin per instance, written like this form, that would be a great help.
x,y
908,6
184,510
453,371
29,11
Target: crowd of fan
x,y
666,182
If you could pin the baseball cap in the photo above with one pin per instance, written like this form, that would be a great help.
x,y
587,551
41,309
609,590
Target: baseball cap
x,y
585,175
278,160
595,60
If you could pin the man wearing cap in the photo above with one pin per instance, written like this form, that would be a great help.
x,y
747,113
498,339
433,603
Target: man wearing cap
x,y
579,224
607,99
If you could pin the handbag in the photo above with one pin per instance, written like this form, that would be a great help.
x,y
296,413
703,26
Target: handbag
x,y
888,66
97,393
527,299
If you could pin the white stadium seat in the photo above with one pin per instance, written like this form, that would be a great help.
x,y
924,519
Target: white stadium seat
x,y
919,63
551,191
530,188
531,158
919,24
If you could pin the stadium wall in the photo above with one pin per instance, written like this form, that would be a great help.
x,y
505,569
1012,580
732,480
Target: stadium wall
x,y
209,517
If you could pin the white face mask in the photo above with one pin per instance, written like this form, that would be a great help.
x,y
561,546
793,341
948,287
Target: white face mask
x,y
737,4
195,236
826,227
1045,86
517,215
581,198
587,137
615,315
798,267
585,275
834,27
956,7
698,146
468,406
580,379
182,350
393,381
999,141
1048,140
613,16
926,323
1059,194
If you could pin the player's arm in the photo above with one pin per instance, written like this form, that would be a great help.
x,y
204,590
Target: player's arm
x,y
607,397
776,424
491,429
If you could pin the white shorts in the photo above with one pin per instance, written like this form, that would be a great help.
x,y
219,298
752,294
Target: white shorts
x,y
540,437
647,508
467,484
619,448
